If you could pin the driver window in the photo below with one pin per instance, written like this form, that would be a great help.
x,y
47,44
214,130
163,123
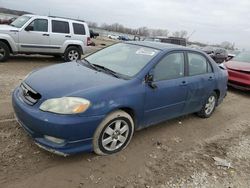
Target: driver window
x,y
39,25
170,67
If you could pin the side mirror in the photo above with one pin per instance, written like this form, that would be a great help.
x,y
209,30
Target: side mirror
x,y
29,28
149,79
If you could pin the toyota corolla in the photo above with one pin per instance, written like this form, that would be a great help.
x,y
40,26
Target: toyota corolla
x,y
97,103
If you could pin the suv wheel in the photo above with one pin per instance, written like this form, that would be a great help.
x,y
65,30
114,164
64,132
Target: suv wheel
x,y
72,54
4,52
114,133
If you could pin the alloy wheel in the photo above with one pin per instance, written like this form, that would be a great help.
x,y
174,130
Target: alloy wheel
x,y
73,55
115,135
210,105
2,52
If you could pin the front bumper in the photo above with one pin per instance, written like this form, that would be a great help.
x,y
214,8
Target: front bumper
x,y
77,131
238,85
239,80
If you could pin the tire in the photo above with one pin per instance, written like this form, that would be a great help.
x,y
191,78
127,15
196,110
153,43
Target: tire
x,y
116,130
4,52
72,53
209,107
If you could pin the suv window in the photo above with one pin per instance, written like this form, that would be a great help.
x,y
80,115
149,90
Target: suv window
x,y
39,25
60,26
79,29
170,67
198,64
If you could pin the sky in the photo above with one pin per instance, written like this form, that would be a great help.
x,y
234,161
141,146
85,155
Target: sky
x,y
212,21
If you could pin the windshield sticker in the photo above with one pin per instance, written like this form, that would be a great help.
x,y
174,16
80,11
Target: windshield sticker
x,y
143,51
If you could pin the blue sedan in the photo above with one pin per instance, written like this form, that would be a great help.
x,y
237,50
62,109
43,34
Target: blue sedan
x,y
97,103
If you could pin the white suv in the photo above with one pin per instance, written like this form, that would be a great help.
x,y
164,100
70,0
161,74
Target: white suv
x,y
33,34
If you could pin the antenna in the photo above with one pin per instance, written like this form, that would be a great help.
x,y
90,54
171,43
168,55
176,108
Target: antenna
x,y
191,34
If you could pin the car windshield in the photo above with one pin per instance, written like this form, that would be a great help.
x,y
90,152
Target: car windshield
x,y
124,59
243,57
20,21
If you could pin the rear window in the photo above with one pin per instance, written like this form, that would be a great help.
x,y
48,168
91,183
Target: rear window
x,y
79,29
60,26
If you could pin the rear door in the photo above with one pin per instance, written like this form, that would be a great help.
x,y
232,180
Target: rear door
x,y
35,37
168,99
60,32
201,81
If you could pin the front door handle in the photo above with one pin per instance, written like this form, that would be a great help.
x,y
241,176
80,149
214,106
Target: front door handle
x,y
68,36
45,34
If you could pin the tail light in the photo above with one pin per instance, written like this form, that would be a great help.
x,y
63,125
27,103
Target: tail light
x,y
88,41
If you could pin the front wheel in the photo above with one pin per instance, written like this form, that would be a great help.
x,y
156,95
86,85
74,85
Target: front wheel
x,y
4,52
209,107
72,53
114,133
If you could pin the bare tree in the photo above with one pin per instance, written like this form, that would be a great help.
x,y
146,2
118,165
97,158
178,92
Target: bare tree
x,y
181,34
92,24
227,45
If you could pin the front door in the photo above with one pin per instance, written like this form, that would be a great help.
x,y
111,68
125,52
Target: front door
x,y
35,37
167,99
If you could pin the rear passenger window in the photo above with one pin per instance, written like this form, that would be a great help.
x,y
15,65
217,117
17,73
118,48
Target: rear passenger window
x,y
60,26
79,29
170,67
197,64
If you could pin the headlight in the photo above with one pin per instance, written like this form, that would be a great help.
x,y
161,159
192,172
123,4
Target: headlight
x,y
65,105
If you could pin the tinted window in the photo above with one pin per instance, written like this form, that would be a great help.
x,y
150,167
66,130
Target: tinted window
x,y
198,64
39,25
79,29
60,27
170,67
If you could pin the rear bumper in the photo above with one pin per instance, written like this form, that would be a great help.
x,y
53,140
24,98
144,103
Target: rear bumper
x,y
76,131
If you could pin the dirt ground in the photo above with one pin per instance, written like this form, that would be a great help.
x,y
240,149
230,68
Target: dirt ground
x,y
177,153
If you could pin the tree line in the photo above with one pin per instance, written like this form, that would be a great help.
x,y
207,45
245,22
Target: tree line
x,y
142,31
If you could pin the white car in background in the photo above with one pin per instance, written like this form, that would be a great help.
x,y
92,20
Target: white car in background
x,y
113,37
33,34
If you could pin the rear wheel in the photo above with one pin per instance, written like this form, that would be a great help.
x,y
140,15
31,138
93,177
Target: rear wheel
x,y
4,52
72,53
114,133
209,107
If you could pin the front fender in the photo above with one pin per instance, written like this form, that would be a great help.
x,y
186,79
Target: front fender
x,y
10,40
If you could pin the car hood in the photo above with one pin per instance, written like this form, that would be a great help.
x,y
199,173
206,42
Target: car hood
x,y
7,28
237,65
69,79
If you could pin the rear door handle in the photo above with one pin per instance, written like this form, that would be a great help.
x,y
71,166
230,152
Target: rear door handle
x,y
68,36
183,83
45,34
210,78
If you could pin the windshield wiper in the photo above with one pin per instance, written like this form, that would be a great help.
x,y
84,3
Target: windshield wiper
x,y
107,70
89,64
12,25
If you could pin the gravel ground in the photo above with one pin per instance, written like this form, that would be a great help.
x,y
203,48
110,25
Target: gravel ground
x,y
177,153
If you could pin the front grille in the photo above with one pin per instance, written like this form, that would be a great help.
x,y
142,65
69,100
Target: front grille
x,y
29,95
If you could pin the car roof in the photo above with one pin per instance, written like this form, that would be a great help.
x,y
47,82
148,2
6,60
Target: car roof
x,y
55,17
160,45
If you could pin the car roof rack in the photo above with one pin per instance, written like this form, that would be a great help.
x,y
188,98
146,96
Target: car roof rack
x,y
67,18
